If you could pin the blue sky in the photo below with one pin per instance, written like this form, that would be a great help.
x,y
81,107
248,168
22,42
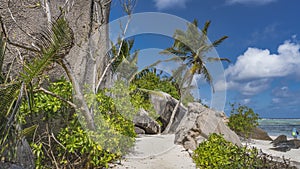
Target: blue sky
x,y
263,46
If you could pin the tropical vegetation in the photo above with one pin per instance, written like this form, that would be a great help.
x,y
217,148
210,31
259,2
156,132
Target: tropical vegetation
x,y
190,48
243,120
216,152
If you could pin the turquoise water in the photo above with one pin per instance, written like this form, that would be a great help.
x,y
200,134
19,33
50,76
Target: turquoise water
x,y
276,127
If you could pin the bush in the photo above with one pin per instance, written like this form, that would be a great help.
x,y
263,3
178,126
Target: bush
x,y
60,141
242,120
216,153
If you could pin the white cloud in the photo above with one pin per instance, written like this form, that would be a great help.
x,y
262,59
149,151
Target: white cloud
x,y
255,2
255,69
258,63
164,4
246,101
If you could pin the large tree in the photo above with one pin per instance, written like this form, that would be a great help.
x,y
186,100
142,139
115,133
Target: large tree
x,y
191,47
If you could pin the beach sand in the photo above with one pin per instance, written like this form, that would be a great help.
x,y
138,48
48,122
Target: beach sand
x,y
293,155
159,151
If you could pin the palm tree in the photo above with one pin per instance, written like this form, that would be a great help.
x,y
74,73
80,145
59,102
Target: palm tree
x,y
191,47
125,63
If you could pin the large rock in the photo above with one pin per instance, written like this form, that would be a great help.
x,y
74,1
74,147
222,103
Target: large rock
x,y
138,130
198,123
282,144
164,105
294,143
143,121
260,134
23,159
279,139
9,166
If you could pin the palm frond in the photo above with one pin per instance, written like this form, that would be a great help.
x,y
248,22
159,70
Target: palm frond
x,y
207,76
195,22
205,28
55,43
219,41
172,51
8,93
218,59
29,130
130,44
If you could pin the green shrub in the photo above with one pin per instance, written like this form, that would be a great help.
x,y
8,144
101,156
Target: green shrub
x,y
149,80
243,120
216,153
61,139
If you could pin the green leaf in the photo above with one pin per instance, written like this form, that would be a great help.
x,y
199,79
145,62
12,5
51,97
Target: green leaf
x,y
55,44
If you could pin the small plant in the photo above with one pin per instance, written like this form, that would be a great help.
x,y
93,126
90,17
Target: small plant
x,y
243,120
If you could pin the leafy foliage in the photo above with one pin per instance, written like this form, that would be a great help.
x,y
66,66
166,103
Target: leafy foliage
x,y
191,47
216,152
150,80
243,120
73,146
54,45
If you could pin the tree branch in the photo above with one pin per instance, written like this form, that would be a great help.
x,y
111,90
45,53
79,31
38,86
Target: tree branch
x,y
48,12
57,96
78,95
115,57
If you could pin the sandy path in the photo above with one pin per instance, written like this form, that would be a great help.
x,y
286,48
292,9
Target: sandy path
x,y
157,151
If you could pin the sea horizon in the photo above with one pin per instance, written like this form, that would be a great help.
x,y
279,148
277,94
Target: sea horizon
x,y
279,126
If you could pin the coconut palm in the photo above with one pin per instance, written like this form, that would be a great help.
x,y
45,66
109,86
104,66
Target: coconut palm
x,y
125,63
191,47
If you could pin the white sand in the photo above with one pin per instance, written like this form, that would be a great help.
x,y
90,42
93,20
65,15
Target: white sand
x,y
293,154
157,151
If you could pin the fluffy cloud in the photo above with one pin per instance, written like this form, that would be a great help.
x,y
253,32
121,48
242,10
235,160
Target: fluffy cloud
x,y
164,4
255,69
258,63
256,2
248,88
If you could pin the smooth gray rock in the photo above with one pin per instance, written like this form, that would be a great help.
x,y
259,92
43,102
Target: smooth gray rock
x,y
143,121
23,157
139,130
294,143
279,139
198,123
282,144
9,166
258,134
164,105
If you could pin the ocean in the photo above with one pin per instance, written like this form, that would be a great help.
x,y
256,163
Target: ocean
x,y
276,127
